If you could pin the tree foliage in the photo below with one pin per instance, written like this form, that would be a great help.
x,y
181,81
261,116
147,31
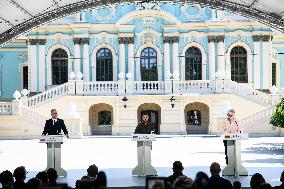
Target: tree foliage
x,y
277,118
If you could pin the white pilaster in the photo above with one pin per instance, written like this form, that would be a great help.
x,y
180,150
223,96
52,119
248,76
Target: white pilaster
x,y
131,58
42,65
256,63
32,54
121,57
212,55
77,56
266,63
166,59
221,54
86,61
175,58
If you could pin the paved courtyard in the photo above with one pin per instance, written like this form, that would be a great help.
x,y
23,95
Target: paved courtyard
x,y
117,156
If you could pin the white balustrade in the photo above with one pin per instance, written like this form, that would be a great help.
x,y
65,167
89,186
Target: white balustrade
x,y
149,87
197,86
33,116
50,94
251,121
251,93
5,108
100,88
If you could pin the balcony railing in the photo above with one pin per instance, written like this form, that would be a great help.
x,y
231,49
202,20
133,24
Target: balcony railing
x,y
5,108
148,87
100,88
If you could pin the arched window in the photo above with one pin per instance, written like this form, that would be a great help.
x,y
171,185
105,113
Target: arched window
x,y
59,64
104,65
239,65
148,65
193,64
104,118
194,117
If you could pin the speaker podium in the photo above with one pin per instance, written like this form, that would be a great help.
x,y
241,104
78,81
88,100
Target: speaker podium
x,y
54,152
234,167
144,146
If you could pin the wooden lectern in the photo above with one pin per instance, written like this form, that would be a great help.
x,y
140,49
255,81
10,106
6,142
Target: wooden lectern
x,y
54,152
234,167
144,145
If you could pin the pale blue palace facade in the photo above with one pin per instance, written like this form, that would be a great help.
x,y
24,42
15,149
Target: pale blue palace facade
x,y
145,49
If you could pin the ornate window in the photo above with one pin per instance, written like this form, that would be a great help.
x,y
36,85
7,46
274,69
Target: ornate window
x,y
148,65
239,65
104,118
104,65
194,117
193,64
59,64
274,74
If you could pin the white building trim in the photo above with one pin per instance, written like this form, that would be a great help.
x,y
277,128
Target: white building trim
x,y
159,60
48,62
249,59
94,59
204,59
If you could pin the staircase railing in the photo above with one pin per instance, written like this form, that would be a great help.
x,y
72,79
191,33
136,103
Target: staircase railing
x,y
5,108
33,116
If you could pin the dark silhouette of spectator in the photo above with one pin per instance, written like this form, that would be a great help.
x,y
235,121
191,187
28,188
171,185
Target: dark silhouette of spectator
x,y
201,181
215,181
77,184
86,182
177,171
20,176
34,183
6,179
92,171
52,176
43,177
182,182
282,182
237,185
101,181
256,180
265,186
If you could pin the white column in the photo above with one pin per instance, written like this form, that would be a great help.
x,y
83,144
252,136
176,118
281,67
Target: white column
x,y
256,62
77,56
249,67
221,54
212,55
32,54
131,57
86,60
166,59
42,65
121,55
266,62
175,57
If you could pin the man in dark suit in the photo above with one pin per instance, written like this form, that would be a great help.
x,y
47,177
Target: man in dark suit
x,y
54,125
216,181
145,127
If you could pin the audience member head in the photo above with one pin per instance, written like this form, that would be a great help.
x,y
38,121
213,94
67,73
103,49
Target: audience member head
x,y
282,177
42,176
6,178
20,173
33,183
182,182
201,180
265,186
256,180
177,166
101,181
52,175
215,169
92,171
237,185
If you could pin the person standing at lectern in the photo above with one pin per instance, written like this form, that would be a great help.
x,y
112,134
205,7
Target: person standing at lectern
x,y
231,125
54,125
145,127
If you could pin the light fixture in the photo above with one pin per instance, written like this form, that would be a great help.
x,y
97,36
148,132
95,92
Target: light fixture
x,y
124,101
173,101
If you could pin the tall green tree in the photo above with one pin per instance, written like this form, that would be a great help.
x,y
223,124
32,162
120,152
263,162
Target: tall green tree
x,y
277,118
